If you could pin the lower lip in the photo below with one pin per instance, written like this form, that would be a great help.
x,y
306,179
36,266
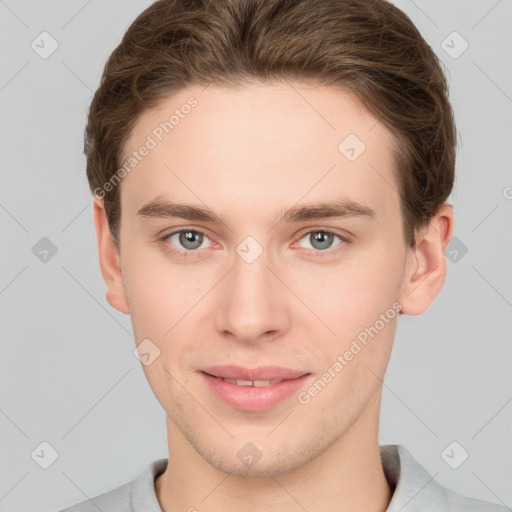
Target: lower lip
x,y
252,398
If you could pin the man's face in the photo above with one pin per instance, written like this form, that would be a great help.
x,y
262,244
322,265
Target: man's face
x,y
259,289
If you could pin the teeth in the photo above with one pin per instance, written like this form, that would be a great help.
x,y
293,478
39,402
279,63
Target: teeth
x,y
255,383
243,382
263,383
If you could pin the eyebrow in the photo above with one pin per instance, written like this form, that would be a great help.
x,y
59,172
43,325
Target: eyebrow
x,y
159,208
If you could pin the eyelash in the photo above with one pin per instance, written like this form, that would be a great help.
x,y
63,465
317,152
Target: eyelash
x,y
193,253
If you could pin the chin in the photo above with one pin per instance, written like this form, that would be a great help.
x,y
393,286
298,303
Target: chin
x,y
262,457
264,467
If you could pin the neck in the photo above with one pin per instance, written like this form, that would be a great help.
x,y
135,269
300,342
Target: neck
x,y
348,476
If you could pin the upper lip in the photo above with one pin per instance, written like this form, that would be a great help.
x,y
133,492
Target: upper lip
x,y
260,373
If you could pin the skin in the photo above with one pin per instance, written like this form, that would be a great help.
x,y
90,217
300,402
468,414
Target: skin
x,y
249,153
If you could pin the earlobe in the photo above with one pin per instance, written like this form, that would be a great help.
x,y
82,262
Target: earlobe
x,y
426,265
109,259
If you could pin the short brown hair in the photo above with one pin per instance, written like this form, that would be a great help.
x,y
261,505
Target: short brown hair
x,y
368,47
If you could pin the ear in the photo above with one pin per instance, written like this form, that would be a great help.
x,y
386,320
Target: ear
x,y
109,259
426,263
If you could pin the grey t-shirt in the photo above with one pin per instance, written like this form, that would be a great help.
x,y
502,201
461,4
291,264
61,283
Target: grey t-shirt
x,y
414,490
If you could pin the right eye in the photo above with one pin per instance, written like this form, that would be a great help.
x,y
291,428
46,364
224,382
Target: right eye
x,y
188,241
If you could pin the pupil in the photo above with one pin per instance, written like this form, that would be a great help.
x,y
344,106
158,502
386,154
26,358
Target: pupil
x,y
188,238
323,238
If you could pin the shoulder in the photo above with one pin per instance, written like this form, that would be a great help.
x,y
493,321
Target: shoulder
x,y
415,490
136,496
454,502
116,500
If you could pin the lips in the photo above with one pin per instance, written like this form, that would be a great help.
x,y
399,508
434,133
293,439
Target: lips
x,y
253,389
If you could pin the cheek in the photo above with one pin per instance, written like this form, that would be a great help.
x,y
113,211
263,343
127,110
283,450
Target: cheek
x,y
353,369
153,286
354,295
151,300
360,305
164,304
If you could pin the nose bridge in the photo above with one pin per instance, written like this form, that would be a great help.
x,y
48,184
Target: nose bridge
x,y
251,302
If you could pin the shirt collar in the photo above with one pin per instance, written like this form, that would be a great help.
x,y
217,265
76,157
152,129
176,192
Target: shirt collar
x,y
412,486
414,489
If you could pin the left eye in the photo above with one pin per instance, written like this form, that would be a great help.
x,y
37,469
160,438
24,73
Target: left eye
x,y
322,239
188,239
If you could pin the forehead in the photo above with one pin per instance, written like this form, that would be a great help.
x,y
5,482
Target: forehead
x,y
255,148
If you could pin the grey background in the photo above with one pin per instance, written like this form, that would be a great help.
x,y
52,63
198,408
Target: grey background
x,y
68,374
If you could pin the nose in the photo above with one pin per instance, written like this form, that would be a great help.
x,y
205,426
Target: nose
x,y
253,302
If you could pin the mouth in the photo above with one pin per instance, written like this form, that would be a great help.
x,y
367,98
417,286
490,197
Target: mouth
x,y
256,389
253,383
